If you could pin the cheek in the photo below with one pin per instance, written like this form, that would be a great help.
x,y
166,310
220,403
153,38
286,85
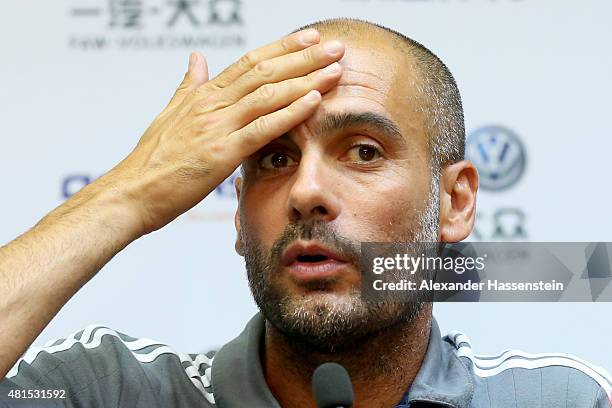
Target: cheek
x,y
264,214
386,209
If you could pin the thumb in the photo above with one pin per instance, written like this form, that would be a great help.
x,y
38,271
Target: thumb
x,y
196,76
197,73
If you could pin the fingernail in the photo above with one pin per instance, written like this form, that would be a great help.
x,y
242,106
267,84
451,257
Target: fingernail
x,y
312,96
192,60
331,69
333,47
309,36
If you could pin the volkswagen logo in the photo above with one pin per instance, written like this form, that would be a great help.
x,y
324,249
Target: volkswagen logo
x,y
499,156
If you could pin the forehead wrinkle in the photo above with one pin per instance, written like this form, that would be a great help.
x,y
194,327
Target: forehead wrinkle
x,y
362,91
368,74
357,71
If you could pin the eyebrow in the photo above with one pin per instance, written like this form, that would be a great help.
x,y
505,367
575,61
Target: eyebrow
x,y
346,120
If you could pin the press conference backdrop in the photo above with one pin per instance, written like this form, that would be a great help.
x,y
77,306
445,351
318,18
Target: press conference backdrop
x,y
81,80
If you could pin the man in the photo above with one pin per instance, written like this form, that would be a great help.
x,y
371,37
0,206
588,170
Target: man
x,y
347,132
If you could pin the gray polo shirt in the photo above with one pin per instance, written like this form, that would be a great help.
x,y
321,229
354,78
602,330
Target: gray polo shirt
x,y
98,367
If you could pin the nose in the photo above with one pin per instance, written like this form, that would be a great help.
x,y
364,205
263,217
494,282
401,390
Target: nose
x,y
314,193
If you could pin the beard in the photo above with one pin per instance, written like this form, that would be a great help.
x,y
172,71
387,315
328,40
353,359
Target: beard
x,y
325,321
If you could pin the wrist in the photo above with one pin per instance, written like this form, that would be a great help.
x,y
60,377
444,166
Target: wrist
x,y
110,205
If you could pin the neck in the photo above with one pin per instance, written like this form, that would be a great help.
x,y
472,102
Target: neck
x,y
386,362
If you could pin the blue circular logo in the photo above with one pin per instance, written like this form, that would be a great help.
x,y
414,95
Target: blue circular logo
x,y
498,154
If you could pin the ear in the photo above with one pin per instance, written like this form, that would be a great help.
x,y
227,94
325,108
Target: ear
x,y
458,188
238,244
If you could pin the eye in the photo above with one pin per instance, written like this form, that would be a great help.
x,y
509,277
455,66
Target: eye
x,y
363,153
275,160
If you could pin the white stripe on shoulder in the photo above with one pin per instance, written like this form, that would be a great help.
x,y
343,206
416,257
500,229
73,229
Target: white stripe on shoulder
x,y
89,342
487,366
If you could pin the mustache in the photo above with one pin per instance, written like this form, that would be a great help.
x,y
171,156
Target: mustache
x,y
317,230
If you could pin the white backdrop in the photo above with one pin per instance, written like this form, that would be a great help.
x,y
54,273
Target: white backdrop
x,y
80,80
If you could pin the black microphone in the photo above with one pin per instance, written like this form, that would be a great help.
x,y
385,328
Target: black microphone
x,y
332,388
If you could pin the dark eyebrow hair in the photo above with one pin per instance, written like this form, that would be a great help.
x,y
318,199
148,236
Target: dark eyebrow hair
x,y
340,121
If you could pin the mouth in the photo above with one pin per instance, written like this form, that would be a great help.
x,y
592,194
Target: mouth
x,y
310,260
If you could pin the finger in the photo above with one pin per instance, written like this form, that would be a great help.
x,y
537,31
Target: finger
x,y
284,67
271,97
266,128
196,76
291,43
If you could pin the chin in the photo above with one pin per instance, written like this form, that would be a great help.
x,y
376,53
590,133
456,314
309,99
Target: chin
x,y
321,302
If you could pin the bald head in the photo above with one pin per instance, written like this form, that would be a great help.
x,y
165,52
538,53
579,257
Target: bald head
x,y
437,95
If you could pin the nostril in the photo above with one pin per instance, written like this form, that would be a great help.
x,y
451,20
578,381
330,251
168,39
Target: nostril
x,y
320,210
296,214
305,211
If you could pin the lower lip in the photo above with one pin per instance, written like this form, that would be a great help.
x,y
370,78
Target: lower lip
x,y
310,271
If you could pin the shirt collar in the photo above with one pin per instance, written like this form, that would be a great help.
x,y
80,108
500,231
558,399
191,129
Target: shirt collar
x,y
442,378
237,374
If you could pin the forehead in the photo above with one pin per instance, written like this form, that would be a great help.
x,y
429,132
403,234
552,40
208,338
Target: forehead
x,y
378,76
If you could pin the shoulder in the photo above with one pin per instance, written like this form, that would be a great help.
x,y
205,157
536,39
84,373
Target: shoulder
x,y
526,379
100,361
